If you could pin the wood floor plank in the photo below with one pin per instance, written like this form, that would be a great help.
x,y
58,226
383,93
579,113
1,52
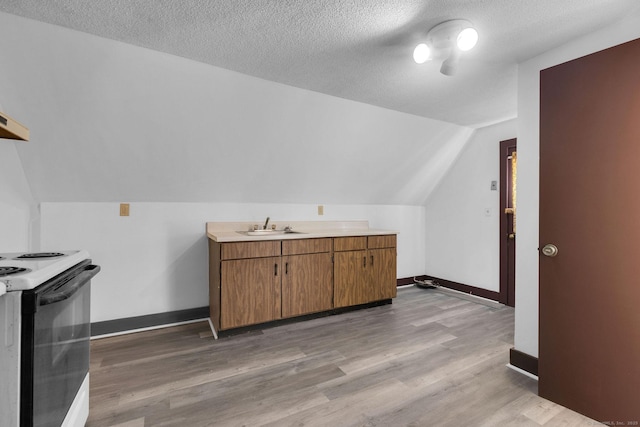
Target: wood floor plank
x,y
138,422
353,409
297,375
161,387
377,360
504,415
427,359
568,418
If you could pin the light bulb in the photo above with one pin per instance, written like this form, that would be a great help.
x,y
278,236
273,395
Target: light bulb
x,y
467,39
421,53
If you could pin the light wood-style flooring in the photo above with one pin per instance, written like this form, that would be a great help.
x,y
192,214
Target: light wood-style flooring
x,y
428,359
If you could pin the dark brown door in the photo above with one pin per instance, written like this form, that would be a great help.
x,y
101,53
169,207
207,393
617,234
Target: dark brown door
x,y
508,172
589,356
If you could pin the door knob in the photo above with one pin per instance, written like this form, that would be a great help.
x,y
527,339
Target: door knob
x,y
550,250
511,236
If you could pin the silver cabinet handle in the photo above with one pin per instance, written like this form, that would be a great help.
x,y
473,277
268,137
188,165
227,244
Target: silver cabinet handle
x,y
550,250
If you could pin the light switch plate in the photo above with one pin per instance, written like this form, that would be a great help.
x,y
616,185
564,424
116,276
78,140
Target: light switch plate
x,y
124,209
320,210
494,185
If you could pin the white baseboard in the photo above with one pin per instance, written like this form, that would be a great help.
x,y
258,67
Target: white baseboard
x,y
522,371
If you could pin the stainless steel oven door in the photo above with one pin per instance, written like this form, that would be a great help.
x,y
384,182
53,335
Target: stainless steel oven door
x,y
55,345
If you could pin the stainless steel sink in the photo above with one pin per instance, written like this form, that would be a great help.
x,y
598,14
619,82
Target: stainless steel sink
x,y
268,232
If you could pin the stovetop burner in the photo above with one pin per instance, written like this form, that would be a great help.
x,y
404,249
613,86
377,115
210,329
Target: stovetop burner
x,y
36,255
41,267
9,270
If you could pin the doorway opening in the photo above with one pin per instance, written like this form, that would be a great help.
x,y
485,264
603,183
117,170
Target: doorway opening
x,y
508,201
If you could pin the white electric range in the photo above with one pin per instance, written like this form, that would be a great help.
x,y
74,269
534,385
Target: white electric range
x,y
44,337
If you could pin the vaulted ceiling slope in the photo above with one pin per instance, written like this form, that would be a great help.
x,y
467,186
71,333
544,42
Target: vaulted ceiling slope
x,y
115,122
359,50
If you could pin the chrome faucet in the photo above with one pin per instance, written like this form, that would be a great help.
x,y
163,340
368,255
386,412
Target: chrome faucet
x,y
265,224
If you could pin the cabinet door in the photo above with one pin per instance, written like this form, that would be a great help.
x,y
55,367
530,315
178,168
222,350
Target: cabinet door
x,y
306,284
242,250
382,273
306,246
379,242
250,291
349,281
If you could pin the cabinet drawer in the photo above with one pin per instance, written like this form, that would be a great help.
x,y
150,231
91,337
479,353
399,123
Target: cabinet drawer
x,y
305,246
240,250
349,243
376,242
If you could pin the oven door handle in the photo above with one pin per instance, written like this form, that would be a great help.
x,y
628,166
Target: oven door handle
x,y
71,287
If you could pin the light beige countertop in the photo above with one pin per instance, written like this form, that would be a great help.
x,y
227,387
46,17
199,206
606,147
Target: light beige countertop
x,y
237,231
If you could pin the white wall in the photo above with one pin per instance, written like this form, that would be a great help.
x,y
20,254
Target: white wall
x,y
186,143
462,239
526,316
16,203
156,260
140,125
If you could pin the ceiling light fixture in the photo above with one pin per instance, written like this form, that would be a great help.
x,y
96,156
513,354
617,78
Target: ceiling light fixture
x,y
445,42
421,53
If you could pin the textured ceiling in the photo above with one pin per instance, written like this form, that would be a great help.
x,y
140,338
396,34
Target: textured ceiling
x,y
354,49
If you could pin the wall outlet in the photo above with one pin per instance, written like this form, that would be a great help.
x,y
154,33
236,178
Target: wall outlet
x,y
124,209
320,210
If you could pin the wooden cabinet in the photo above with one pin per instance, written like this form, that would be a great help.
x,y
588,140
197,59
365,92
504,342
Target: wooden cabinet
x,y
350,285
382,273
247,282
250,291
242,250
349,271
244,283
253,282
364,269
307,285
382,259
